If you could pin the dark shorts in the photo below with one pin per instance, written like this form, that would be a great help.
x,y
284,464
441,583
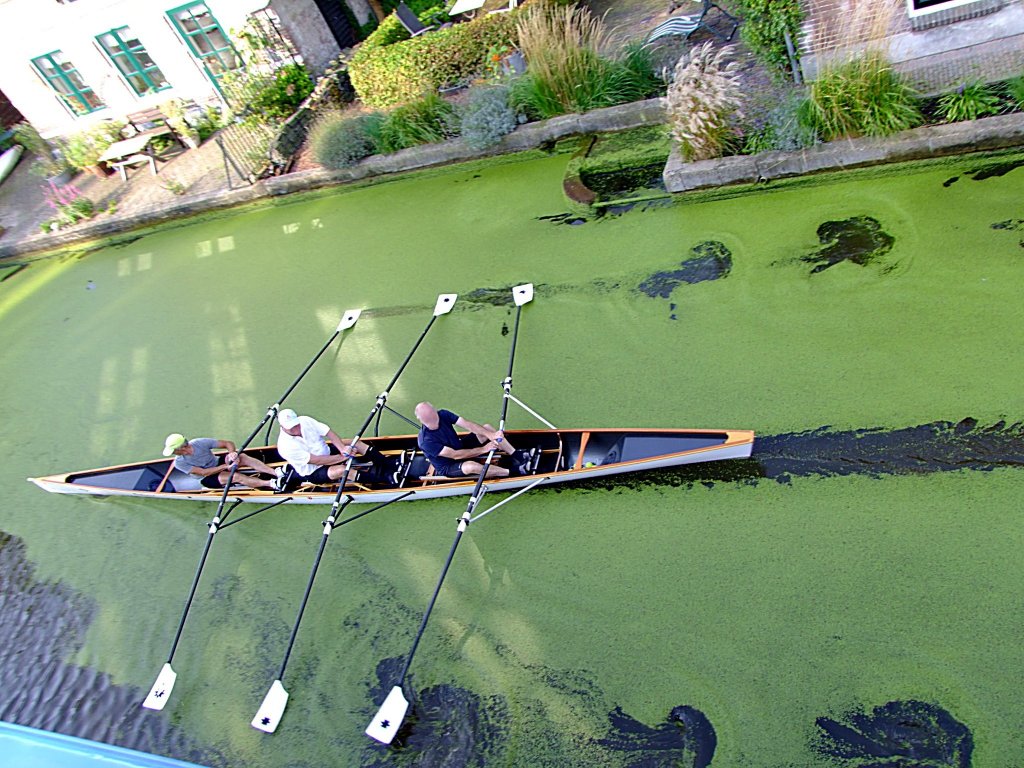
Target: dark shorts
x,y
213,481
321,476
453,467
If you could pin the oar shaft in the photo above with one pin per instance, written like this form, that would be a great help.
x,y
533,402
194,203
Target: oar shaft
x,y
192,592
463,522
305,597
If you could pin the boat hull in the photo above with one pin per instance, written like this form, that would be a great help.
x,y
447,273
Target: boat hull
x,y
560,456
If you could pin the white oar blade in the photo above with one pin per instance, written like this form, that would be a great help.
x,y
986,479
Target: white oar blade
x,y
161,690
445,302
523,294
272,708
349,319
389,717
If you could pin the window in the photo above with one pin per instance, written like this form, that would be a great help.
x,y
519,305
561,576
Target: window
x,y
131,59
205,39
61,75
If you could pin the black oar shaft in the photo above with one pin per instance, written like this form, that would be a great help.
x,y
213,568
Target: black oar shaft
x,y
433,599
218,520
474,499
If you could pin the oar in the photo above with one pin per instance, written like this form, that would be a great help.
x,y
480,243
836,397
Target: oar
x,y
272,709
389,717
161,690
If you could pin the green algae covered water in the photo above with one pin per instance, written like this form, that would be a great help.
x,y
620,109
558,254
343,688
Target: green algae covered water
x,y
851,595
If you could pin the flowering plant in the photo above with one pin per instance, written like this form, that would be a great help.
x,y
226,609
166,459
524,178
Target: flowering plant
x,y
69,204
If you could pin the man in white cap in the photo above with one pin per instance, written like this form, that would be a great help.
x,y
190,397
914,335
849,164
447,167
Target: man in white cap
x,y
196,457
316,454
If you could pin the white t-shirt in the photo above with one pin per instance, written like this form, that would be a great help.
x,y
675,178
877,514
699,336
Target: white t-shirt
x,y
296,450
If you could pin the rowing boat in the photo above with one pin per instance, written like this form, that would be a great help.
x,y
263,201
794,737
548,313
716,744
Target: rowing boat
x,y
557,456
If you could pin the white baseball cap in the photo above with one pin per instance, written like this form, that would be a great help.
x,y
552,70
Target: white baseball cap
x,y
287,418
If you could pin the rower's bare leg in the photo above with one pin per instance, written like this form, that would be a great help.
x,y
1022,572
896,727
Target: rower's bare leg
x,y
247,480
504,445
474,468
335,471
245,460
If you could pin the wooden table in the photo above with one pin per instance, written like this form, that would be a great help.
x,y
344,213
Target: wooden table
x,y
133,151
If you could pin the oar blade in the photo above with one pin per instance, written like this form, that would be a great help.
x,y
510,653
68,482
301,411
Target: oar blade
x,y
522,294
445,302
161,690
272,708
349,319
389,717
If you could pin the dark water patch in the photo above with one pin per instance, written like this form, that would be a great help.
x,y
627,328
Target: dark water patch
x,y
16,268
994,170
940,446
900,734
625,206
687,738
622,181
445,726
1012,225
44,623
572,219
859,240
712,261
951,181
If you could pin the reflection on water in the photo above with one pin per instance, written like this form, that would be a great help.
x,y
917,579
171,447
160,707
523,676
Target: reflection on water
x,y
45,623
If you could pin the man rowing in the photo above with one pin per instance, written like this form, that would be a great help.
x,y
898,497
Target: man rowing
x,y
197,457
316,454
453,455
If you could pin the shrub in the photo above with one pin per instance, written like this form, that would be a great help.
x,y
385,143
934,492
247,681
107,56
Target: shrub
x,y
82,150
565,70
703,100
1015,91
69,204
427,121
385,75
763,28
338,140
779,129
49,161
863,97
487,116
969,102
280,97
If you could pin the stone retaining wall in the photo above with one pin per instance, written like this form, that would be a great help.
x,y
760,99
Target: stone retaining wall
x,y
1000,132
525,137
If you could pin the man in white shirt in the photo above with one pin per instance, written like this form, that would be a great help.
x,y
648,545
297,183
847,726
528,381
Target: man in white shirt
x,y
306,444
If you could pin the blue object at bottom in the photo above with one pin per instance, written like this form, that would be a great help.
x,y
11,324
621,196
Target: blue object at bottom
x,y
32,748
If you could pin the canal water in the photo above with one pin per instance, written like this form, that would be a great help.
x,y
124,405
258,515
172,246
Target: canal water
x,y
848,596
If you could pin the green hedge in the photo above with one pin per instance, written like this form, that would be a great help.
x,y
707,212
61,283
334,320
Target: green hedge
x,y
385,73
763,25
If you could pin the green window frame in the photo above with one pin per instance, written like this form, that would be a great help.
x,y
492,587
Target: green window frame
x,y
205,39
61,75
132,61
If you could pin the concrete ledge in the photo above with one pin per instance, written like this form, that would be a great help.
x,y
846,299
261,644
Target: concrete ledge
x,y
1000,132
525,137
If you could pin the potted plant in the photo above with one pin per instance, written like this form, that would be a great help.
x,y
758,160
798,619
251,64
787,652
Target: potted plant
x,y
83,150
49,163
174,111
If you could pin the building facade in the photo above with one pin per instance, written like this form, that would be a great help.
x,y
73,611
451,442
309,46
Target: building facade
x,y
67,64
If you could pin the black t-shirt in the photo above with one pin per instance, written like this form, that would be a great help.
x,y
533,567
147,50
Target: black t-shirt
x,y
431,441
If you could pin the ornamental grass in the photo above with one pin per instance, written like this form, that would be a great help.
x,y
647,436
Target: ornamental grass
x,y
703,102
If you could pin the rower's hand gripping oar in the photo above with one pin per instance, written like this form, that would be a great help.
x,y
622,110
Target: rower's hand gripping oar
x,y
391,714
164,684
272,709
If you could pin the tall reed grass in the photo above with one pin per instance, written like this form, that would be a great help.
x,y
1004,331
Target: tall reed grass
x,y
861,97
566,69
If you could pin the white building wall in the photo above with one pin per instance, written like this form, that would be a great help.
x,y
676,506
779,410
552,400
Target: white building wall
x,y
31,28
